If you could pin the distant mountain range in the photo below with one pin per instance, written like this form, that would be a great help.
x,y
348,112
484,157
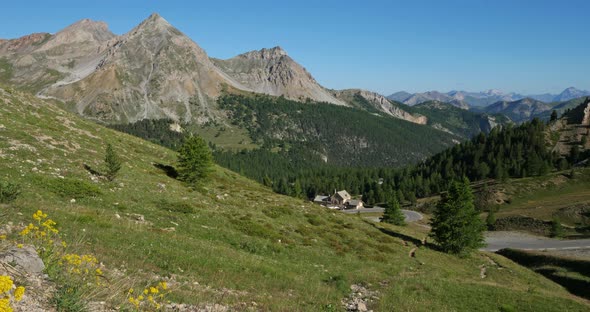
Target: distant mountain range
x,y
519,110
464,99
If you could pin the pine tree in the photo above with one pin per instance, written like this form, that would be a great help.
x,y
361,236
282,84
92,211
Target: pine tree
x,y
112,163
393,213
556,230
195,161
266,181
491,219
553,116
456,225
296,191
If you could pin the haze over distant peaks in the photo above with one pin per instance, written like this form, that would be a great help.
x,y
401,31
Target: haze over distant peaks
x,y
483,98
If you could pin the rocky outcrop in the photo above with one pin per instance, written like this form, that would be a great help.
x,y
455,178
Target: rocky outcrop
x,y
23,259
359,299
372,101
25,266
154,71
273,72
22,44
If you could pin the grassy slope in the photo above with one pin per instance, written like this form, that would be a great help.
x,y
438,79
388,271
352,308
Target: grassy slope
x,y
573,273
547,197
283,253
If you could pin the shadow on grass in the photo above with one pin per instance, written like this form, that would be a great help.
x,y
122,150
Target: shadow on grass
x,y
547,266
92,171
403,237
169,170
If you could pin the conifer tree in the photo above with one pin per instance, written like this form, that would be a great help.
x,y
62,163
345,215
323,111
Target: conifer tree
x,y
195,161
553,115
112,162
491,219
456,225
393,213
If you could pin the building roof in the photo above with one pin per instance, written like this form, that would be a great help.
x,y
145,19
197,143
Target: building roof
x,y
354,202
321,198
343,194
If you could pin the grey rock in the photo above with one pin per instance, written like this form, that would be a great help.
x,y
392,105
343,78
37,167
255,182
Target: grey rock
x,y
24,259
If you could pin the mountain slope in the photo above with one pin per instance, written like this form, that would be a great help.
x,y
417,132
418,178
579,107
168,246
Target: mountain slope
x,y
570,94
460,122
242,247
39,60
374,102
341,136
154,71
273,72
573,130
520,110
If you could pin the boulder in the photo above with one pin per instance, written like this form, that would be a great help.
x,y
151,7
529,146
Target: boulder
x,y
25,259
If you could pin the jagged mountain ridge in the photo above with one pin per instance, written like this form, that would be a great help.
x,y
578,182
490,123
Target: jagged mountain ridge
x,y
274,72
42,59
154,71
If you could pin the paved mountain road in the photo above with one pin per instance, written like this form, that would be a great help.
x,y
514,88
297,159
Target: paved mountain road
x,y
497,240
517,240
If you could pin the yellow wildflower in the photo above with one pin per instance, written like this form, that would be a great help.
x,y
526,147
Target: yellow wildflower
x,y
98,272
163,285
19,246
5,305
153,290
18,293
5,284
145,291
2,237
130,290
140,298
64,244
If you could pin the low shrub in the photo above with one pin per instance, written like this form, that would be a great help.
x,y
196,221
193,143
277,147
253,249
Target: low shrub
x,y
73,188
8,192
181,207
276,212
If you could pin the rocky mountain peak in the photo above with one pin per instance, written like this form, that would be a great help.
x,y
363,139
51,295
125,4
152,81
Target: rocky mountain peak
x,y
98,30
264,54
84,31
154,21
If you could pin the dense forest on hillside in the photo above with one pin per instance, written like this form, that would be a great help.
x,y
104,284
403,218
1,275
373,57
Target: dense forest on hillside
x,y
154,130
514,151
289,162
341,136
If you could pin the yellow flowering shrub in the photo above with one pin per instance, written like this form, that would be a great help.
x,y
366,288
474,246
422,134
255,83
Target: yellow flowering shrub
x,y
150,299
83,267
8,295
80,275
42,234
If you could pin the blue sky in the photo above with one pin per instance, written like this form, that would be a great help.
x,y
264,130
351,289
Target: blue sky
x,y
385,46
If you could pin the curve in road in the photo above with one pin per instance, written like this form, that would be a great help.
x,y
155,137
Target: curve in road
x,y
515,240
